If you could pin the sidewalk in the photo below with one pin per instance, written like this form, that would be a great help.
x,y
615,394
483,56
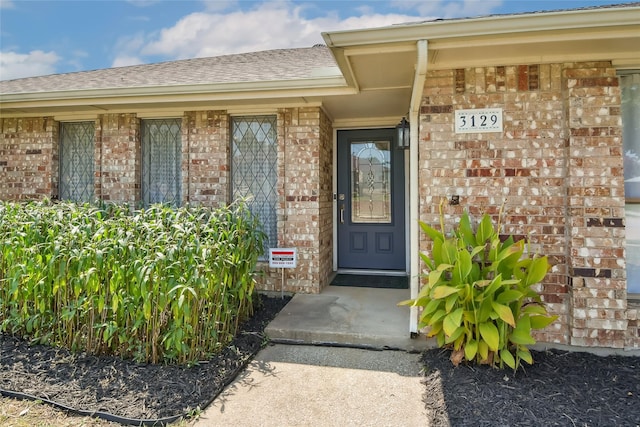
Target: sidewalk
x,y
300,385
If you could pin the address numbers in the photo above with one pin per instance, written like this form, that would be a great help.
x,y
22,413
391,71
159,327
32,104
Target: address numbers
x,y
478,120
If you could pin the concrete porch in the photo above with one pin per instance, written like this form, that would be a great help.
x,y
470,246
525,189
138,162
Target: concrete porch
x,y
347,316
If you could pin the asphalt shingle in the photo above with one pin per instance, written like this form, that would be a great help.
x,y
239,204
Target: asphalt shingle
x,y
270,65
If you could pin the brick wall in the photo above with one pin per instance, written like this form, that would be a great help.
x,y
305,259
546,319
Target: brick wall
x,y
206,147
596,205
557,167
28,158
118,158
305,188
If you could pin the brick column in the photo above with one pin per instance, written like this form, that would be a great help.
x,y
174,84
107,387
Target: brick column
x,y
28,158
205,150
595,184
118,175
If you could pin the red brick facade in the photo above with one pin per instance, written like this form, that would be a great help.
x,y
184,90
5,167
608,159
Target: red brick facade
x,y
557,167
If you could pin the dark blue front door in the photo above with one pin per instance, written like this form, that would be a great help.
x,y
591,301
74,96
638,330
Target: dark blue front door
x,y
371,202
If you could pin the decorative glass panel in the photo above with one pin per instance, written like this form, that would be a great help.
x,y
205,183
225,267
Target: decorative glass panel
x,y
254,172
631,139
77,161
161,157
371,182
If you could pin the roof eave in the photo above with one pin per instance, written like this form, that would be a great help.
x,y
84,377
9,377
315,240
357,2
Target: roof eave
x,y
229,89
483,26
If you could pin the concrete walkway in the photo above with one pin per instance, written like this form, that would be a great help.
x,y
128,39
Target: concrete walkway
x,y
352,316
357,381
299,385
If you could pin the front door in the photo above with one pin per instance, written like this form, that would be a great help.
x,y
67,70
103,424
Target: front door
x,y
371,203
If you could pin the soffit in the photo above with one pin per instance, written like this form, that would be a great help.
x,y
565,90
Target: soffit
x,y
380,63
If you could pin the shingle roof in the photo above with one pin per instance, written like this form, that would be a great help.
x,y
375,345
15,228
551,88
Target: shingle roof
x,y
270,65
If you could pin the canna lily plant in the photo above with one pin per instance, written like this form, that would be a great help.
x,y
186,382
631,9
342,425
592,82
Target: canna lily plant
x,y
478,298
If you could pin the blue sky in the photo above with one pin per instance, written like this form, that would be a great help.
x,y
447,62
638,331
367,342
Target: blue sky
x,y
62,36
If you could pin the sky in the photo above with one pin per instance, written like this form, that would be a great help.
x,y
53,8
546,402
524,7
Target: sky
x,y
64,36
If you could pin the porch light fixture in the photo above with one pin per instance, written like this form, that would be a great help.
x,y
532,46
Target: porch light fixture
x,y
402,133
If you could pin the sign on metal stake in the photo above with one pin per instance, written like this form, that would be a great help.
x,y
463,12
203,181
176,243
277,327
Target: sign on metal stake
x,y
283,258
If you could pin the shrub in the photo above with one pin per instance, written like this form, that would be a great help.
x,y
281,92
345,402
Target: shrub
x,y
478,298
159,284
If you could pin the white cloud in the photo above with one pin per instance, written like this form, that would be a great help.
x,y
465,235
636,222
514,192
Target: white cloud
x,y
270,25
124,61
7,4
35,63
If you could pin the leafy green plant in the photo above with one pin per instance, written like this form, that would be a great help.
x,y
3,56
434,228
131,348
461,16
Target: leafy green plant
x,y
478,298
158,284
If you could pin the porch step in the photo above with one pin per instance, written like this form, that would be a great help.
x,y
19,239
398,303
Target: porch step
x,y
347,316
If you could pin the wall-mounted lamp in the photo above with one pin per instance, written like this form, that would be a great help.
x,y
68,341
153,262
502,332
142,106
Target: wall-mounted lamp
x,y
403,134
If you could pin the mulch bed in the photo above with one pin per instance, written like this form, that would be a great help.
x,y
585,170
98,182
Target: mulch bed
x,y
123,387
559,389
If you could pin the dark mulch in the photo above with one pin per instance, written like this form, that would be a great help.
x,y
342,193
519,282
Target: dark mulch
x,y
559,389
125,388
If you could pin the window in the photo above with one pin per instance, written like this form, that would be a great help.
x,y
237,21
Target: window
x,y
630,84
76,161
254,151
161,155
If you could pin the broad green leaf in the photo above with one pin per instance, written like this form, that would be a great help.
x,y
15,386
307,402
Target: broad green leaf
x,y
452,321
483,350
485,230
509,296
432,306
507,357
435,330
540,322
431,232
455,336
434,277
534,309
485,311
443,291
427,261
450,302
504,313
471,349
465,230
476,250
449,252
522,332
524,354
437,316
489,334
537,270
462,268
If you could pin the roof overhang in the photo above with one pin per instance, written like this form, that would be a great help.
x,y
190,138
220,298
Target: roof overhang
x,y
379,62
377,67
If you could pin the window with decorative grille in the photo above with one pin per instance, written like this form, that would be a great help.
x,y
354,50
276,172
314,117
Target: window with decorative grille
x,y
254,152
161,158
76,161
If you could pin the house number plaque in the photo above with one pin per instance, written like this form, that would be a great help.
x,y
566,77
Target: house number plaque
x,y
478,120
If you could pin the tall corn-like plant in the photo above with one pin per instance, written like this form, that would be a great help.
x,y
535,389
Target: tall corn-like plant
x,y
478,298
158,284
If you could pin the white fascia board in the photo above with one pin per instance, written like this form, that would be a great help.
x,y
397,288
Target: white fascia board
x,y
307,85
171,98
489,25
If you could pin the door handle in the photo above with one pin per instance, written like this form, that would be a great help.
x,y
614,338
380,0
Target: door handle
x,y
341,214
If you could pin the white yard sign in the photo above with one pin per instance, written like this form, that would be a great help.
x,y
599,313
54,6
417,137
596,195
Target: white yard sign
x,y
282,257
478,120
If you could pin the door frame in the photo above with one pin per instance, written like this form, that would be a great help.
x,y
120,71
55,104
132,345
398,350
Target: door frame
x,y
407,212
